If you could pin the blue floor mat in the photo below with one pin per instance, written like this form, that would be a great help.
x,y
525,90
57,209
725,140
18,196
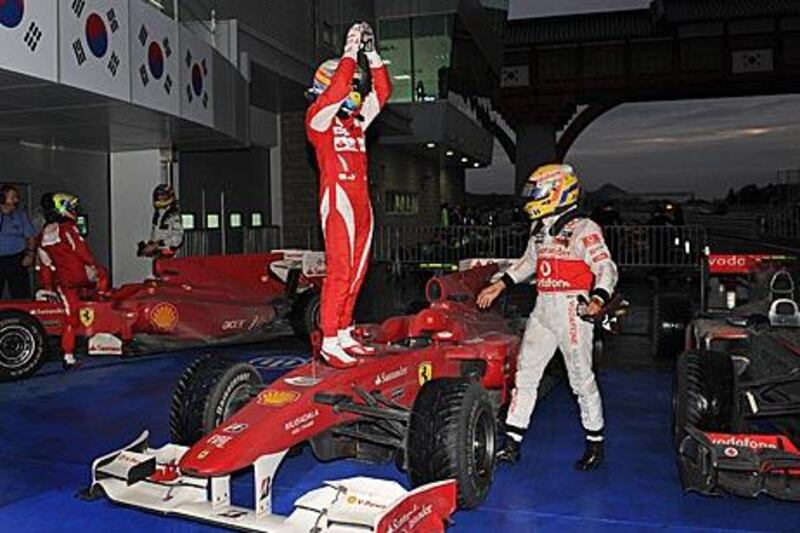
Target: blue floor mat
x,y
54,425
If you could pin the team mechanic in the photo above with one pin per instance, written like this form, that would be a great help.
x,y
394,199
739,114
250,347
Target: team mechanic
x,y
66,265
570,259
340,112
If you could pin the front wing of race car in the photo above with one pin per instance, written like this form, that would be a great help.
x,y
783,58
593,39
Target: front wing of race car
x,y
147,478
740,464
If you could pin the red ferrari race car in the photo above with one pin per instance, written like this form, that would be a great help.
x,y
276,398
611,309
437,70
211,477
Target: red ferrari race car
x,y
212,298
428,399
737,399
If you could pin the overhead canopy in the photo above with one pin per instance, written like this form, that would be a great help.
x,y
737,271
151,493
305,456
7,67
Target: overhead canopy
x,y
527,9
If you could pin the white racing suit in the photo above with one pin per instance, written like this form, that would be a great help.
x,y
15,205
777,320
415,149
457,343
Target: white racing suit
x,y
167,230
570,258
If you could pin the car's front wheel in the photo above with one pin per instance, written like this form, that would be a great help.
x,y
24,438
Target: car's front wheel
x,y
704,395
453,435
22,345
210,390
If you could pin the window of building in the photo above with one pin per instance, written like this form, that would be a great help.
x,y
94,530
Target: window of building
x,y
432,43
402,203
394,42
417,52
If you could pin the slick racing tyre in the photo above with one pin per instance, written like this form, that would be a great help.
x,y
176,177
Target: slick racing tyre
x,y
452,434
210,390
22,345
704,395
304,317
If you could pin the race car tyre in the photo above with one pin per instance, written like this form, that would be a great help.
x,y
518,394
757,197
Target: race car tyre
x,y
453,434
304,317
704,394
22,345
210,390
671,315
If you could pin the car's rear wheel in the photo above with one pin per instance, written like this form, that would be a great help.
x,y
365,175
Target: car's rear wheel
x,y
210,390
452,435
304,316
704,395
22,345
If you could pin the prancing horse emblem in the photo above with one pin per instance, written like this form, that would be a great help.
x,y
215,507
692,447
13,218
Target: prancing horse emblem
x,y
87,316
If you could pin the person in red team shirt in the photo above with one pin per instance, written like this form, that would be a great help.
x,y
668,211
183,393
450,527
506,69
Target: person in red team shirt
x,y
66,265
340,112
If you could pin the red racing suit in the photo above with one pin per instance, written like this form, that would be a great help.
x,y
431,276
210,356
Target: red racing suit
x,y
67,265
569,258
344,203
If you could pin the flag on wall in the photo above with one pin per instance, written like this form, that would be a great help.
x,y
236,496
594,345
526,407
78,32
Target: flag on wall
x,y
154,59
94,46
28,37
744,61
197,87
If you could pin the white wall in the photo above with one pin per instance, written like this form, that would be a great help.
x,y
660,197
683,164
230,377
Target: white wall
x,y
133,177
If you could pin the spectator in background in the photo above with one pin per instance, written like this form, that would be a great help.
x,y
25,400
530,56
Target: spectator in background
x,y
17,244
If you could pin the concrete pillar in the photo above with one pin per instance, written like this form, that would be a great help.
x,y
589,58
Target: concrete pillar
x,y
133,176
536,145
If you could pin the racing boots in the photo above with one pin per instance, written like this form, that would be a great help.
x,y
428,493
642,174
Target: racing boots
x,y
352,346
69,362
335,355
510,453
593,456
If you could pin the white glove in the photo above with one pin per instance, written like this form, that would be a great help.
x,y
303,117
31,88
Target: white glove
x,y
368,46
352,43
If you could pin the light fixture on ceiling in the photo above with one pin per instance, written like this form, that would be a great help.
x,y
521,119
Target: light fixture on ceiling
x,y
450,153
431,145
476,164
464,160
402,77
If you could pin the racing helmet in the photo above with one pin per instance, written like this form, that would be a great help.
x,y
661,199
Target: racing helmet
x,y
163,196
322,79
551,189
66,205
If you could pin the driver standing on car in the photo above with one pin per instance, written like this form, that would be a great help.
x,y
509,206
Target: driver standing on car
x,y
341,111
571,262
66,264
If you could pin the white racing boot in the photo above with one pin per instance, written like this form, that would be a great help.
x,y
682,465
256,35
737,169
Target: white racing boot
x,y
350,345
335,355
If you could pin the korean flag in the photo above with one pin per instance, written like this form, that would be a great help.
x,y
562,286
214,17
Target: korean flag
x,y
28,37
94,46
197,81
154,59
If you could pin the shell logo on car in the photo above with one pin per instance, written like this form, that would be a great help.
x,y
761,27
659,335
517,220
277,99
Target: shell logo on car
x,y
277,398
164,316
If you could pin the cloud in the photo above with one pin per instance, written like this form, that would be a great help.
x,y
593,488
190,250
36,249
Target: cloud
x,y
704,146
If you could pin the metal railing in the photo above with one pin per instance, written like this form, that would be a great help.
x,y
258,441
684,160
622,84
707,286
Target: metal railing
x,y
237,241
630,246
785,224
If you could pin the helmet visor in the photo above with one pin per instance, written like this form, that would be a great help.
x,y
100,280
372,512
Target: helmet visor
x,y
538,190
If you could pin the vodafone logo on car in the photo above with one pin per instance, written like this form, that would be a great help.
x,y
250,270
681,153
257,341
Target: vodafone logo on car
x,y
733,263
